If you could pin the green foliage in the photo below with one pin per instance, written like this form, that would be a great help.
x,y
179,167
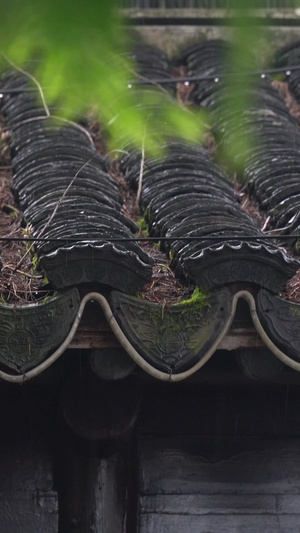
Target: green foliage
x,y
176,317
14,213
142,224
35,261
243,59
76,50
297,247
199,298
79,51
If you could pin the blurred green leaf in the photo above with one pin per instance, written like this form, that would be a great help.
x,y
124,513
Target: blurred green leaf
x,y
79,47
76,49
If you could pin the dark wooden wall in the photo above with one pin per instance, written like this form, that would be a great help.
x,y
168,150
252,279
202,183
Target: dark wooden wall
x,y
221,459
217,455
28,497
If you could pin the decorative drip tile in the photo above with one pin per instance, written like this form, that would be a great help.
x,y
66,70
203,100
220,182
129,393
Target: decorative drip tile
x,y
281,321
225,263
28,333
106,264
172,338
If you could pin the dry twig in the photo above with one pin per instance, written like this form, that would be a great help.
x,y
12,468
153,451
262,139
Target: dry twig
x,y
45,105
53,214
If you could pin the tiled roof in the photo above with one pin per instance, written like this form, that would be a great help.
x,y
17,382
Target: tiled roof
x,y
271,166
60,166
191,209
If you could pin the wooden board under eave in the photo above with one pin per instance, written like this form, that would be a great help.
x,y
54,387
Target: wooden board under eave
x,y
183,490
28,502
28,512
212,524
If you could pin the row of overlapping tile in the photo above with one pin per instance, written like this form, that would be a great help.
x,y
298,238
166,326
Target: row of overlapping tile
x,y
66,193
270,166
189,203
188,199
185,196
63,187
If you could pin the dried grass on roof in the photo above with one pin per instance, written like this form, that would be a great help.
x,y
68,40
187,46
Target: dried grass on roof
x,y
18,285
164,288
290,102
292,292
24,284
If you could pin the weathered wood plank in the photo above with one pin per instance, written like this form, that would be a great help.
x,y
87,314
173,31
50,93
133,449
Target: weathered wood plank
x,y
28,512
241,338
274,468
88,339
94,493
27,501
211,524
103,337
25,466
111,495
225,504
94,331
